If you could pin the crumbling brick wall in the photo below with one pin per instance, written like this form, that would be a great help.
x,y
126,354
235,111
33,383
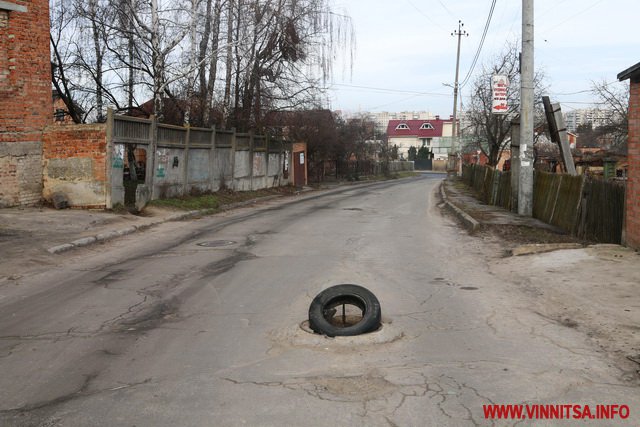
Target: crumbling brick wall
x,y
75,164
632,229
25,100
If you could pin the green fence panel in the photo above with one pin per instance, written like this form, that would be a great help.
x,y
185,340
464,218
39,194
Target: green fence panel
x,y
545,189
504,191
565,212
602,211
592,209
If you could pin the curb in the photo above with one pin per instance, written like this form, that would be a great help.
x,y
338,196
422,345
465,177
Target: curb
x,y
110,235
540,248
468,221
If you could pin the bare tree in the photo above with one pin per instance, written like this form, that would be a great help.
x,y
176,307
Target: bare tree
x,y
490,132
614,97
63,28
276,54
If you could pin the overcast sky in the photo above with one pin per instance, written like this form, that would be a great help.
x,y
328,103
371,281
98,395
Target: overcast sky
x,y
406,47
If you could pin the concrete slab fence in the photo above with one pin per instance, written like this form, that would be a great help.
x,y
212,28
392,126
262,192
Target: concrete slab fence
x,y
89,165
184,160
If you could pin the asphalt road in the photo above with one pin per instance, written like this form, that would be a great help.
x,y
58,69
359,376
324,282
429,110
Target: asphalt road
x,y
157,330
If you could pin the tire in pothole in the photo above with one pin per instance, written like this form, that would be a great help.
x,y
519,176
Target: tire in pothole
x,y
323,309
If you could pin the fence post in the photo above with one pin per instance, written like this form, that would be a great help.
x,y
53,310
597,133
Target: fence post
x,y
212,157
555,201
266,160
153,148
496,184
251,160
233,158
581,210
109,159
185,171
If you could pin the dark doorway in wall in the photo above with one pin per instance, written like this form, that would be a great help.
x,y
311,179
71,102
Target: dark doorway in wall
x,y
135,169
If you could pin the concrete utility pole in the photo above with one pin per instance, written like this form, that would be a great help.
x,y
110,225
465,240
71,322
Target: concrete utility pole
x,y
525,184
454,136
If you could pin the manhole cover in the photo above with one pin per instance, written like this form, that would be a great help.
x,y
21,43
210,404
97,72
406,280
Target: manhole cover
x,y
216,243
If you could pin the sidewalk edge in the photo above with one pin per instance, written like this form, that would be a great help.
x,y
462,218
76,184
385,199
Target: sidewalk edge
x,y
110,235
469,222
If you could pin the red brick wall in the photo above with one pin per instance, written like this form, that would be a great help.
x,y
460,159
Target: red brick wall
x,y
632,229
74,159
25,100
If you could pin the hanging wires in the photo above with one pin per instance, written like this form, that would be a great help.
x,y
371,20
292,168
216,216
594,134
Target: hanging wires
x,y
484,35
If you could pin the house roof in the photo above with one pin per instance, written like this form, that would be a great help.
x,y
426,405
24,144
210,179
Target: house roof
x,y
416,128
632,73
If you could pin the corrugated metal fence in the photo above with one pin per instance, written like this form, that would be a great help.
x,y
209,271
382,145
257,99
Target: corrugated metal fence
x,y
586,207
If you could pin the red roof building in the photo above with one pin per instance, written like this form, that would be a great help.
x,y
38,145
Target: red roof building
x,y
434,134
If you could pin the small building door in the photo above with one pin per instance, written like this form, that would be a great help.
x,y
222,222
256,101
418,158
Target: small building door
x,y
299,169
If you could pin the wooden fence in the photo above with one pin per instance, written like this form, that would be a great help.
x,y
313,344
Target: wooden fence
x,y
586,207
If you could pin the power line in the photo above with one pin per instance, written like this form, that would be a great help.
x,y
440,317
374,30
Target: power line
x,y
484,35
572,17
446,8
394,102
424,14
380,89
584,90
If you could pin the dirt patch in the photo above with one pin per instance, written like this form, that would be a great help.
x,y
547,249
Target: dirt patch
x,y
352,389
591,290
522,234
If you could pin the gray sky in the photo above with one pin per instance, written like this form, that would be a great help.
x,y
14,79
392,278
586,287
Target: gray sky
x,y
406,46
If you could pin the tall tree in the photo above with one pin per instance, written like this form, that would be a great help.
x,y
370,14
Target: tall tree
x,y
615,98
276,54
490,132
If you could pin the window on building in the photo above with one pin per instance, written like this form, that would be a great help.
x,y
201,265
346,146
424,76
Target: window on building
x,y
402,126
426,126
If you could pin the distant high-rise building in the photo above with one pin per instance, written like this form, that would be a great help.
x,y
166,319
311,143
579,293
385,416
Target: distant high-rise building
x,y
594,116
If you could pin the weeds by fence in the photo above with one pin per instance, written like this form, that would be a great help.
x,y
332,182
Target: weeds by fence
x,y
492,186
586,207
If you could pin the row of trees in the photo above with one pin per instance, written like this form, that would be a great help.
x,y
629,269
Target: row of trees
x,y
201,61
490,133
331,138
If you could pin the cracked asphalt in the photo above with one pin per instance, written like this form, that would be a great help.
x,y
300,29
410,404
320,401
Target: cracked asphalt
x,y
155,330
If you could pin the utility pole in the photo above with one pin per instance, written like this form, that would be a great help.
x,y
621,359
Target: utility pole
x,y
454,135
525,184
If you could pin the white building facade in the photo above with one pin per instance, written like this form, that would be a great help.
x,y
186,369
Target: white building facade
x,y
435,134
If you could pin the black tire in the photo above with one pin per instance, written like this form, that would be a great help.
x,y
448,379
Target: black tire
x,y
323,305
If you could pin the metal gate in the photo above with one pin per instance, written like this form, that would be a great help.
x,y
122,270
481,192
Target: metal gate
x,y
423,164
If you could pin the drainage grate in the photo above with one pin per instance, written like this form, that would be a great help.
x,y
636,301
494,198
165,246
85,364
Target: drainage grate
x,y
216,243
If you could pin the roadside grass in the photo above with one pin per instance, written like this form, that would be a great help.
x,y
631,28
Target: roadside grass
x,y
406,174
213,202
189,203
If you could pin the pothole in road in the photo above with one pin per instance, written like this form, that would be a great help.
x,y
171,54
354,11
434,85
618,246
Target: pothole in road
x,y
345,310
352,209
303,336
469,288
216,243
